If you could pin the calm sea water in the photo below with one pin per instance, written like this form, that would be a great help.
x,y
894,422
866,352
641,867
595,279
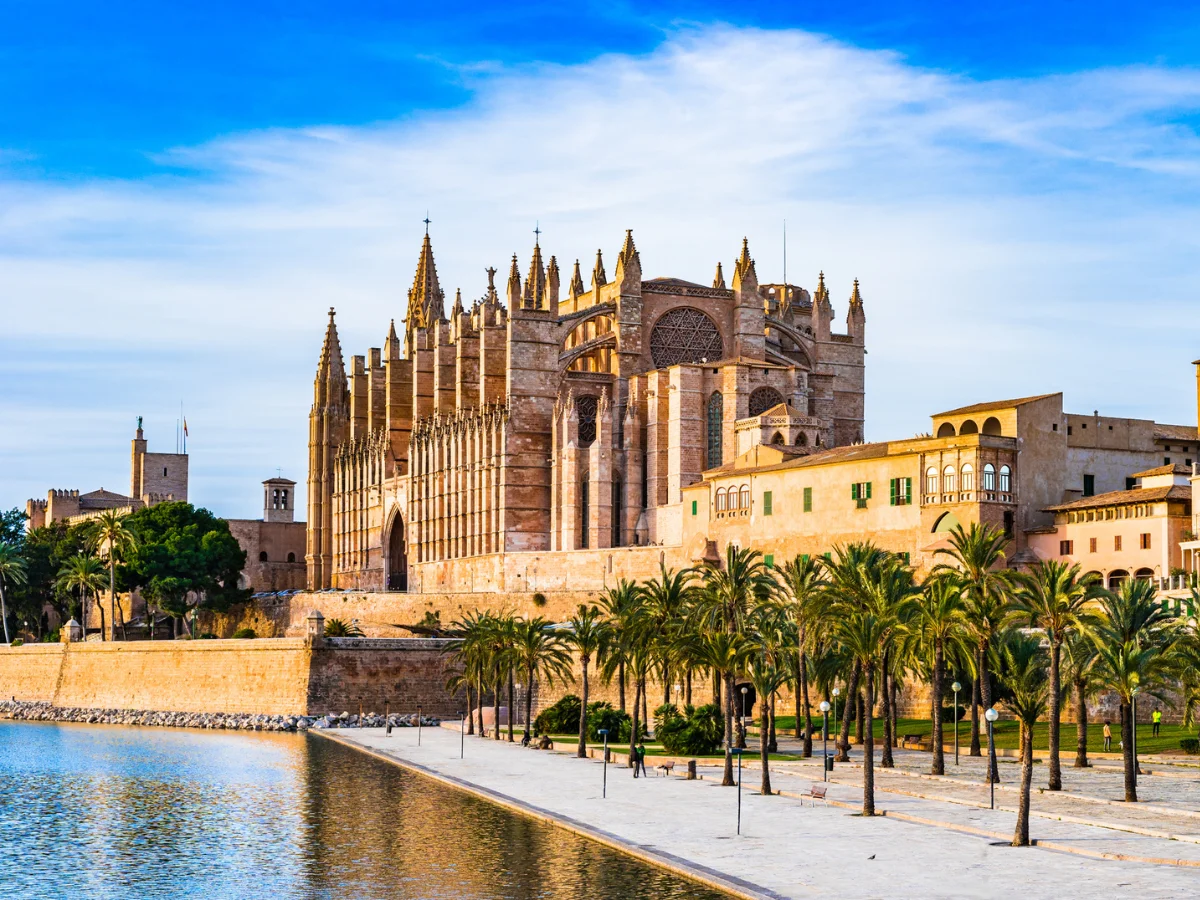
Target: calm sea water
x,y
106,812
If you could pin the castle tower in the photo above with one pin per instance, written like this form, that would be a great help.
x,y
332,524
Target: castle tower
x,y
327,425
137,454
279,500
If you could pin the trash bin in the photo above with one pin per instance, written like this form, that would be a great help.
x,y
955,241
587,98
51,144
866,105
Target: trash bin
x,y
828,762
691,770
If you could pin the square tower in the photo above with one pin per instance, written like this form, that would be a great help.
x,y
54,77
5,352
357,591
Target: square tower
x,y
279,500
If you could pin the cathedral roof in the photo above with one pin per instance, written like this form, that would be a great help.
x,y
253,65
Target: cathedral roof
x,y
677,282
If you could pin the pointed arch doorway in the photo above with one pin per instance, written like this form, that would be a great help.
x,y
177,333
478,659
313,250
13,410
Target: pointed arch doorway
x,y
397,557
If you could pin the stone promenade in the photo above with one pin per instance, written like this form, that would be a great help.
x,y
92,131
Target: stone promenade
x,y
934,843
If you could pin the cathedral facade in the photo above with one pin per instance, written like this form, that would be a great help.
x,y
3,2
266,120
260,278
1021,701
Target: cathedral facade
x,y
549,433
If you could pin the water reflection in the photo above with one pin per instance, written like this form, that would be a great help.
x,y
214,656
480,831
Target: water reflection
x,y
119,812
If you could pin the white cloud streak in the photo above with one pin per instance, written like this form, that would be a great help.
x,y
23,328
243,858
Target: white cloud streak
x,y
1011,237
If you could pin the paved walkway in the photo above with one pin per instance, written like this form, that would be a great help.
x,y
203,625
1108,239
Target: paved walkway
x,y
790,850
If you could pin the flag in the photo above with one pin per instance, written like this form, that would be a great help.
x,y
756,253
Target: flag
x,y
185,434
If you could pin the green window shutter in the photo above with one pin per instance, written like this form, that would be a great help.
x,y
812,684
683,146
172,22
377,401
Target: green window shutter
x,y
868,490
908,490
854,491
693,507
892,492
808,499
769,560
828,556
766,503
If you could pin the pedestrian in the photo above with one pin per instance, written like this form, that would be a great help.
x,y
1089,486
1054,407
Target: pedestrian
x,y
1156,718
1107,736
641,757
635,758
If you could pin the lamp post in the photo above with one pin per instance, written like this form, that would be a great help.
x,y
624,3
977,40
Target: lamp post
x,y
519,687
744,689
836,691
387,719
462,735
678,690
824,707
418,724
739,751
991,715
604,788
1137,769
956,687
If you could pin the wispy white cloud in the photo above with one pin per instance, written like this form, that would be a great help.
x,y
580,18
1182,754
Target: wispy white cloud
x,y
1011,236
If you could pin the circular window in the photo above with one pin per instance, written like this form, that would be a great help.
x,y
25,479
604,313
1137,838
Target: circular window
x,y
685,335
764,398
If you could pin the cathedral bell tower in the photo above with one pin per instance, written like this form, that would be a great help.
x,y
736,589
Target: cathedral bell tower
x,y
327,426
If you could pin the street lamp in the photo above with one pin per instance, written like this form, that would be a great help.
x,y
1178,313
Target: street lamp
x,y
991,715
387,719
744,689
604,734
678,691
418,724
824,707
956,687
836,691
462,735
739,751
1137,769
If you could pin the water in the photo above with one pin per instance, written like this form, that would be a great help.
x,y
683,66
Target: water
x,y
106,812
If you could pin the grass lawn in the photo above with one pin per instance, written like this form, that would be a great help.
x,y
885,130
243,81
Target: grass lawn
x,y
654,749
1007,734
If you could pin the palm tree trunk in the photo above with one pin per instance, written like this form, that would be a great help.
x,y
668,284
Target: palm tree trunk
x,y
687,687
528,704
1127,753
470,709
939,756
773,743
807,736
1021,835
1081,726
975,750
621,685
496,703
894,709
985,693
727,776
1054,780
510,706
4,612
645,702
581,749
869,745
858,717
112,596
637,711
666,681
843,743
885,760
717,676
764,749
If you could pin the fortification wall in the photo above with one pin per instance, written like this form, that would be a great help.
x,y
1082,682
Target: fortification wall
x,y
277,677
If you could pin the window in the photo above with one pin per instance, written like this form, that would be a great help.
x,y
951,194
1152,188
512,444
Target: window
x,y
948,480
693,507
989,477
769,560
585,511
618,509
291,557
931,480
766,503
716,416
1117,542
808,499
586,408
1005,480
721,500
968,477
262,557
1009,523
1130,484
1092,545
1089,485
1166,462
860,493
745,497
164,471
1145,540
1054,427
1070,430
1066,548
905,556
900,491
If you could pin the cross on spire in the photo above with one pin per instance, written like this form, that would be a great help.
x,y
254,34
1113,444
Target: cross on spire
x,y
537,233
426,220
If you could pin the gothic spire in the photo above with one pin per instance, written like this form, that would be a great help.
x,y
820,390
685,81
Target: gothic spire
x,y
719,279
855,296
576,289
744,263
552,282
598,276
514,285
330,368
535,285
391,344
628,250
458,307
426,301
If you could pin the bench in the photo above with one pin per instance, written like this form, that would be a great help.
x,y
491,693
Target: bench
x,y
667,768
815,793
920,741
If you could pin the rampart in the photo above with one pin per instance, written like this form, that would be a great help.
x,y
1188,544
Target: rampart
x,y
282,676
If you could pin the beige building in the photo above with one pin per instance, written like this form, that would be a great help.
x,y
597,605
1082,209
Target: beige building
x,y
548,440
275,543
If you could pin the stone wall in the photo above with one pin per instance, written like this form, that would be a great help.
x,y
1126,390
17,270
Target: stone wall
x,y
279,677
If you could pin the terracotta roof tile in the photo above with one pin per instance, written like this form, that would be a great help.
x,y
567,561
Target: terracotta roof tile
x,y
995,404
1175,432
1173,469
1120,498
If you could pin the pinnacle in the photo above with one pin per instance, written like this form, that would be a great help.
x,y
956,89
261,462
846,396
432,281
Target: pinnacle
x,y
576,288
598,276
719,279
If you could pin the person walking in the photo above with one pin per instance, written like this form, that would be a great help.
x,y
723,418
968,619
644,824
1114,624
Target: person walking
x,y
640,762
1107,736
1156,719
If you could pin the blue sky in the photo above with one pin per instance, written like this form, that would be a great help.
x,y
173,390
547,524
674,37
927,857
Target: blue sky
x,y
185,187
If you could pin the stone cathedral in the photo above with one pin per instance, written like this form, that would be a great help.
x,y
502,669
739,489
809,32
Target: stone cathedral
x,y
542,438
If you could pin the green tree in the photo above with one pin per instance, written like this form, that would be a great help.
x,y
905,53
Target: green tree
x,y
1052,596
1081,671
83,574
12,526
12,571
664,602
339,628
941,622
1023,674
183,558
767,679
619,605
541,654
589,636
803,592
110,536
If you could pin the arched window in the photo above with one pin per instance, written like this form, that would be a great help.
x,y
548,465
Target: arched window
x,y
946,429
931,480
618,509
733,498
764,398
716,419
685,335
262,557
968,427
585,510
1005,480
1115,577
948,480
585,409
721,499
1144,574
802,441
989,477
745,501
778,440
291,557
991,425
968,477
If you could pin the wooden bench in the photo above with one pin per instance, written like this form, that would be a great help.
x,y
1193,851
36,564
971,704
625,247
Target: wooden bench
x,y
815,793
920,741
667,768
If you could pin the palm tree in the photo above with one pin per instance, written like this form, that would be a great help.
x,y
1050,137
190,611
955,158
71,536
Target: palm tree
x,y
725,654
941,620
84,574
804,586
590,634
1081,672
471,633
1052,597
974,558
111,536
732,594
664,601
339,628
619,604
12,570
767,679
539,653
1023,672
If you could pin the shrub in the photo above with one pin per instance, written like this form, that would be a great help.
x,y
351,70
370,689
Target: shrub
x,y
1190,745
561,718
539,599
246,633
338,628
695,732
964,710
207,636
619,724
17,642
